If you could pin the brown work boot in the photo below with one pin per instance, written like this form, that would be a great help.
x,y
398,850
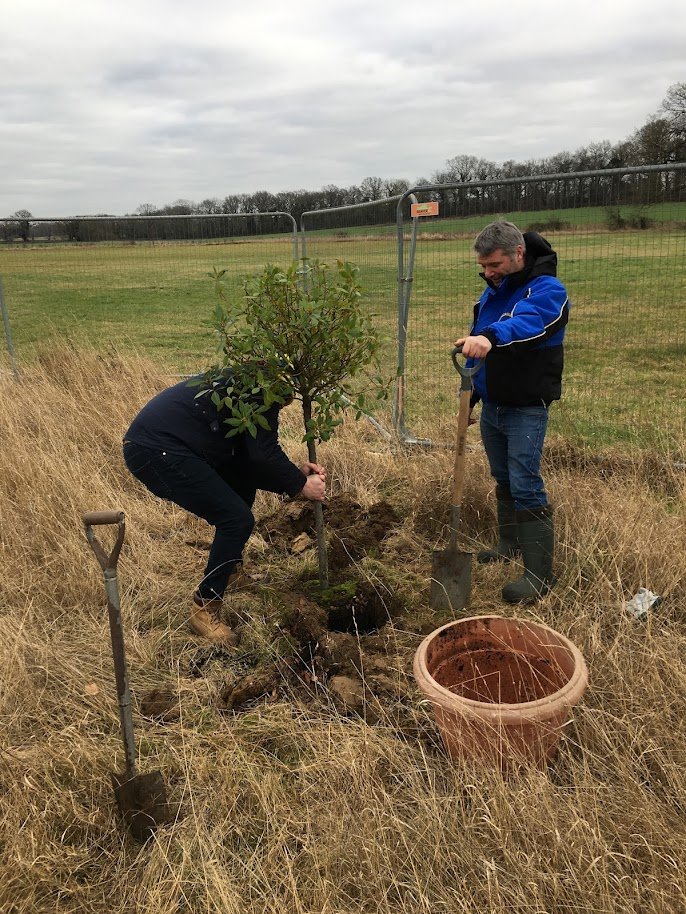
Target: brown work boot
x,y
206,621
239,581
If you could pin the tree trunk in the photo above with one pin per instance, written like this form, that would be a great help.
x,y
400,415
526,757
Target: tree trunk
x,y
318,510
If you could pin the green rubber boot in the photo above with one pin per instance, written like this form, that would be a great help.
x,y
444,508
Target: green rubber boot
x,y
508,545
536,540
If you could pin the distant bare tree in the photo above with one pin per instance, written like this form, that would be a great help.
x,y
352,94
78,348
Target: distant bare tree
x,y
331,196
21,222
464,168
179,208
209,207
372,188
232,203
674,107
656,142
262,201
395,186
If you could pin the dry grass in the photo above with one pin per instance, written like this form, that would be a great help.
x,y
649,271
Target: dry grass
x,y
294,808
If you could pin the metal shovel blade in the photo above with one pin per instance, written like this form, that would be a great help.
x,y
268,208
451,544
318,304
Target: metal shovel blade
x,y
451,580
142,801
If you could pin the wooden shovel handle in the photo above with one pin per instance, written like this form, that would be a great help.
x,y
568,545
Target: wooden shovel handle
x,y
460,446
94,518
466,375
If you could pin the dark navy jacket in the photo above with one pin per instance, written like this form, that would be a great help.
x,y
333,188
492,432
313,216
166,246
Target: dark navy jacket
x,y
524,318
179,422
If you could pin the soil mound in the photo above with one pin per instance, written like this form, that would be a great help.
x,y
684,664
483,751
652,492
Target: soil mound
x,y
353,531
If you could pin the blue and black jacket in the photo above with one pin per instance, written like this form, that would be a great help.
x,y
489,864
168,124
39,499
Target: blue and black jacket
x,y
525,319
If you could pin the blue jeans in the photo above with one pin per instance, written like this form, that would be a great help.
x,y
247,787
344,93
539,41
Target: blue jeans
x,y
223,497
513,439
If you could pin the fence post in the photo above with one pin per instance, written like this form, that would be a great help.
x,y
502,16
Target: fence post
x,y
8,334
404,291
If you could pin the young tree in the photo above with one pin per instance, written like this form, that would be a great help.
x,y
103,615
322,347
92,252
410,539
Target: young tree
x,y
301,333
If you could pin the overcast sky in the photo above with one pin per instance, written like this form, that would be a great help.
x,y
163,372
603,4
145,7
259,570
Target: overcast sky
x,y
105,106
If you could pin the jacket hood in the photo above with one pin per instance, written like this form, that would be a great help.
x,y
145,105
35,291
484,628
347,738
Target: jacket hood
x,y
540,260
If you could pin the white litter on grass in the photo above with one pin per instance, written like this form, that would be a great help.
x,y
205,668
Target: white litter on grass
x,y
641,602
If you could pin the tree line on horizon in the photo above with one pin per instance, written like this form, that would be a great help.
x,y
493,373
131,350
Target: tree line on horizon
x,y
660,141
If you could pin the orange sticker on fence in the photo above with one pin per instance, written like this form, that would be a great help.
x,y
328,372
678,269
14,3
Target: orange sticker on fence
x,y
424,209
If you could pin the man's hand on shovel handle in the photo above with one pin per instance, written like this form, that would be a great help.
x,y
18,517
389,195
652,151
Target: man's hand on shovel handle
x,y
474,347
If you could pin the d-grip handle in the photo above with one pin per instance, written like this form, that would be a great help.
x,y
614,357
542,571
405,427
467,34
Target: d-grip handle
x,y
465,372
100,518
93,518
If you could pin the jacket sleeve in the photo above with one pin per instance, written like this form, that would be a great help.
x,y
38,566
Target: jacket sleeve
x,y
270,461
535,318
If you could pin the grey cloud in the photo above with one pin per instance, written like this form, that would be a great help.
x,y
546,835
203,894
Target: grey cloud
x,y
286,97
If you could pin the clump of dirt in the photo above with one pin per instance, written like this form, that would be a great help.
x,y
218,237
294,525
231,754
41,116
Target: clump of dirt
x,y
325,665
304,627
353,531
434,517
237,695
363,537
161,705
214,656
358,607
326,647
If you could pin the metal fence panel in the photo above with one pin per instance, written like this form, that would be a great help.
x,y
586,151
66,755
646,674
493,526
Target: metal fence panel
x,y
621,243
619,234
138,281
364,234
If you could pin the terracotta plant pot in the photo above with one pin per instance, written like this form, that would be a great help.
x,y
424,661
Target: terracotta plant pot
x,y
502,690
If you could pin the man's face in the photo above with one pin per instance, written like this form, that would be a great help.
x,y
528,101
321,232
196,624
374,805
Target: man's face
x,y
497,265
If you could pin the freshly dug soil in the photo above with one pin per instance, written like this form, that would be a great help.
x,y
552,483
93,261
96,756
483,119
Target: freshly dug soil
x,y
330,648
353,531
324,665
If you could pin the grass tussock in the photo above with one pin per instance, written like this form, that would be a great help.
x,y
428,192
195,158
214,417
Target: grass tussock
x,y
293,806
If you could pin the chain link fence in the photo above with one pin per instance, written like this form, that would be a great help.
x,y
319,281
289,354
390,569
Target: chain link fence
x,y
142,282
620,236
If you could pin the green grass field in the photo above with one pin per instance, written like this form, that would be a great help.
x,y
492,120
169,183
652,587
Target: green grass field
x,y
660,215
625,346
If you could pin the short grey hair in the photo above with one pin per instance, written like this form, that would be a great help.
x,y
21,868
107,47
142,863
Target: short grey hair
x,y
499,236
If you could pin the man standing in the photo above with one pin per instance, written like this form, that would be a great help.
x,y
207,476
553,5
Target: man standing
x,y
177,447
519,326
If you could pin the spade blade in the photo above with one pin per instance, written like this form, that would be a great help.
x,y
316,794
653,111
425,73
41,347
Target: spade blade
x,y
451,580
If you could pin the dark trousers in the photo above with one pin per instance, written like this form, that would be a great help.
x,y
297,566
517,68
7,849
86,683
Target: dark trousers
x,y
222,496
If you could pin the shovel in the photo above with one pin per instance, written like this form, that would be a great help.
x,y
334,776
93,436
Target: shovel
x,y
141,798
451,572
